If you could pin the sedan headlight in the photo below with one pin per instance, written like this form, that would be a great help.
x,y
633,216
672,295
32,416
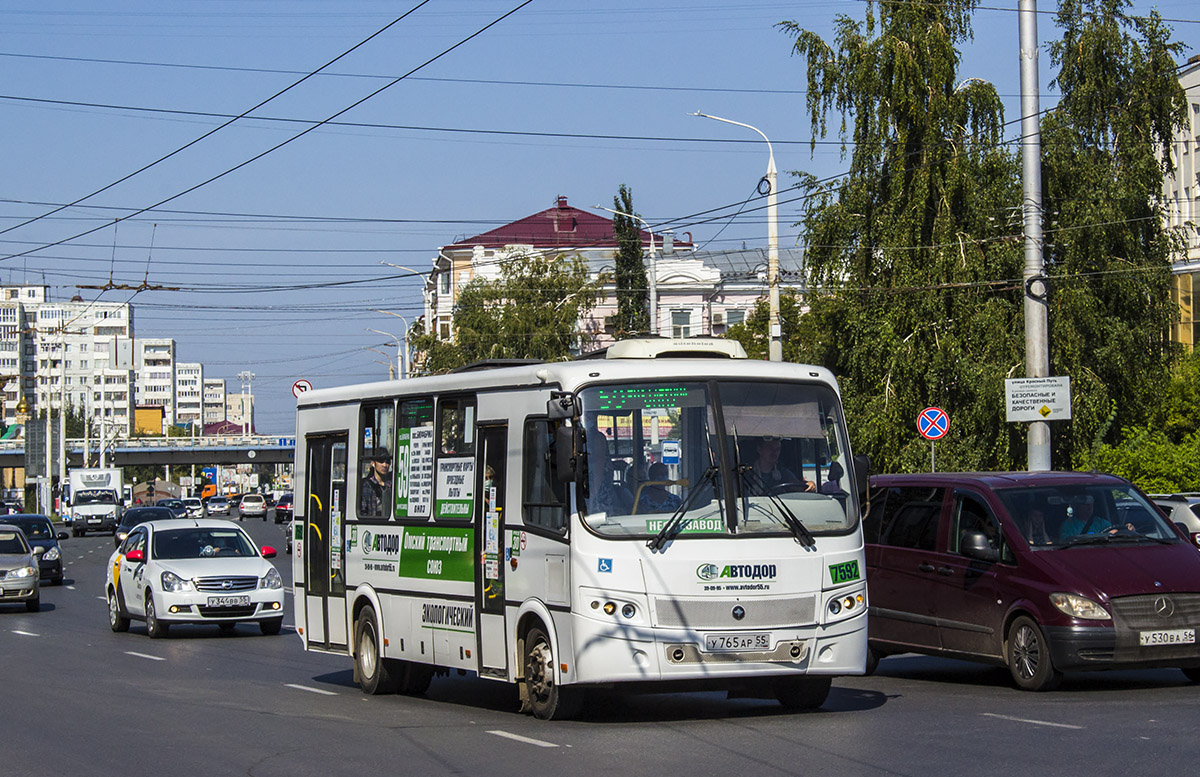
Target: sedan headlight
x,y
23,572
174,583
1079,607
50,555
271,579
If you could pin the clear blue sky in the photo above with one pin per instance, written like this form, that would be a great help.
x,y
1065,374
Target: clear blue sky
x,y
245,258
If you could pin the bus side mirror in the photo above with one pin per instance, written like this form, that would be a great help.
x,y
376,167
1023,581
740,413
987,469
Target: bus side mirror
x,y
561,406
568,453
862,475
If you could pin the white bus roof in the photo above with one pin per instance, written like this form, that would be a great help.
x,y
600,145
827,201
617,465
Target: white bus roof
x,y
626,361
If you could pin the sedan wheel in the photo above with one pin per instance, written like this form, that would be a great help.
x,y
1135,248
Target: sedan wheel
x,y
116,621
154,627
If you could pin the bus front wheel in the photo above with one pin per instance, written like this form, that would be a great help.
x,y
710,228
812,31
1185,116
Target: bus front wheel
x,y
373,674
547,699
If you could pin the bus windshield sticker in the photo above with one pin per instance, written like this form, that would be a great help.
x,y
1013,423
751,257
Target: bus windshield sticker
x,y
455,488
414,471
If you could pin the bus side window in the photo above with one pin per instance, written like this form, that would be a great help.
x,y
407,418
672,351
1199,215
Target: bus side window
x,y
375,461
545,496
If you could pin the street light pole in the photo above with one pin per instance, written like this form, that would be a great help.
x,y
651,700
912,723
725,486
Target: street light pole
x,y
653,266
401,353
776,328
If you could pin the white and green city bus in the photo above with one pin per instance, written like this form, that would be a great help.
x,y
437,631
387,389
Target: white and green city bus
x,y
667,515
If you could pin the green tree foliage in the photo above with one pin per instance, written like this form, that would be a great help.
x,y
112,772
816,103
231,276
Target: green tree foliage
x,y
530,312
632,287
909,255
1108,253
915,256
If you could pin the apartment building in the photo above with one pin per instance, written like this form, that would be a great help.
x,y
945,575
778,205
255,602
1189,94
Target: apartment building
x,y
214,400
154,382
189,393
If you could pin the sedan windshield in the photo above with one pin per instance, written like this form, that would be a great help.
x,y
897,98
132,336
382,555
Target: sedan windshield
x,y
34,528
1075,515
202,543
12,542
719,457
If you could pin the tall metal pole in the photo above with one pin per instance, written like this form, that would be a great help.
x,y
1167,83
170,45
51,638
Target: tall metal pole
x,y
1037,349
653,270
775,327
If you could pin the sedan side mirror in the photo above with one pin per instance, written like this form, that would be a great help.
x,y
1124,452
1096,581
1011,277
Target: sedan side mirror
x,y
268,552
974,544
62,535
135,555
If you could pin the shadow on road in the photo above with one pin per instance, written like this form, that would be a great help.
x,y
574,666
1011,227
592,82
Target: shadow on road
x,y
969,675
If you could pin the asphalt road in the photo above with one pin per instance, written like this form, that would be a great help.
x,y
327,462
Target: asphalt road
x,y
77,699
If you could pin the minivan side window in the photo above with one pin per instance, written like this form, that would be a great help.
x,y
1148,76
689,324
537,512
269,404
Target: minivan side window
x,y
972,514
905,517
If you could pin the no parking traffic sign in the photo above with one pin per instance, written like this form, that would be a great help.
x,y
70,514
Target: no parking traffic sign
x,y
933,423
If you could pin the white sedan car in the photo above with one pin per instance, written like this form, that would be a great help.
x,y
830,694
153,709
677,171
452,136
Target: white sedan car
x,y
192,571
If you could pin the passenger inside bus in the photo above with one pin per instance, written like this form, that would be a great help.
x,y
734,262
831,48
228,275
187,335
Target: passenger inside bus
x,y
653,496
767,476
605,495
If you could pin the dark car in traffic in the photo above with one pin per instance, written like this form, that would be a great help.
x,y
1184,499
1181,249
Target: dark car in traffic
x,y
135,515
176,506
43,538
283,509
1042,572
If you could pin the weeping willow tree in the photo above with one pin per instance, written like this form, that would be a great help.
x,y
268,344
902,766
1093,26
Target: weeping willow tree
x,y
911,255
915,255
1107,147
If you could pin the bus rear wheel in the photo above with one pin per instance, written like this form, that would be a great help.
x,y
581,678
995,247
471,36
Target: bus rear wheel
x,y
547,699
373,671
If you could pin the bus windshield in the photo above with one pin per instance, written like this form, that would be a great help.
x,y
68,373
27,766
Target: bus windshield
x,y
721,457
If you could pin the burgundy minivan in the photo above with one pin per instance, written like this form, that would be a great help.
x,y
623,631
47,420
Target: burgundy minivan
x,y
1042,572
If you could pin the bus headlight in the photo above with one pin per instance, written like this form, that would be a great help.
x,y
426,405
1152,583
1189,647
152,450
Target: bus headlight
x,y
846,606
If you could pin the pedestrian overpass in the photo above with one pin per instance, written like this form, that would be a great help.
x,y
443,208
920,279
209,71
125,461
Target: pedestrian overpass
x,y
168,451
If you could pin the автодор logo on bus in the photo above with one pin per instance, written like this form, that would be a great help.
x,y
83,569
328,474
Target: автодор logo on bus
x,y
736,572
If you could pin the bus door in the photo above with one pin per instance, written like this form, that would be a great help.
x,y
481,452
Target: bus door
x,y
492,454
325,575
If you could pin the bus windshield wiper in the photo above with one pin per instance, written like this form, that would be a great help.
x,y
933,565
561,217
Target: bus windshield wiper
x,y
794,524
675,523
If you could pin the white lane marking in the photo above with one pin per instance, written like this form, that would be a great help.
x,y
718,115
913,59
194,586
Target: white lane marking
x,y
25,633
310,690
1031,721
144,655
102,598
519,738
70,588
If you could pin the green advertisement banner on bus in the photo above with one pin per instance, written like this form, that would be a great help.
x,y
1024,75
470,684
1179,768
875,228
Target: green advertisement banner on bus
x,y
438,553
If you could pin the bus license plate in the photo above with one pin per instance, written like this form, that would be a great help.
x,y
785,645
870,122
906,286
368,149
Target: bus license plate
x,y
228,601
1169,637
716,643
